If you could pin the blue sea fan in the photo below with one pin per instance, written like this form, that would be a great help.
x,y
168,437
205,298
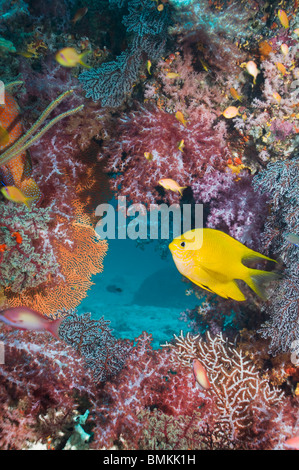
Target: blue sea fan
x,y
113,81
280,181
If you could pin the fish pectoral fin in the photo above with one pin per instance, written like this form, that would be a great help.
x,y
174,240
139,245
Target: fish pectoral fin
x,y
215,275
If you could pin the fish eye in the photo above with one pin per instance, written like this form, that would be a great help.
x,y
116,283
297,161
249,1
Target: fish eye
x,y
183,244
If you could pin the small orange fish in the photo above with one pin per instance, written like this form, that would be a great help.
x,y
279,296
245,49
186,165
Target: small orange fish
x,y
79,14
281,68
24,318
235,94
15,195
160,7
252,69
18,237
180,117
292,443
200,375
231,112
277,96
283,18
168,183
3,248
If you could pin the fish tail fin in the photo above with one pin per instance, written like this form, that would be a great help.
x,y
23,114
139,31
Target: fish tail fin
x,y
53,327
82,58
28,202
256,279
181,189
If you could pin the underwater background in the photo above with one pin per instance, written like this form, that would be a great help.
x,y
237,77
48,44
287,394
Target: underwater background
x,y
112,338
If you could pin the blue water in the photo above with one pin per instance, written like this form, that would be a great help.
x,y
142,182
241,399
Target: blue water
x,y
137,291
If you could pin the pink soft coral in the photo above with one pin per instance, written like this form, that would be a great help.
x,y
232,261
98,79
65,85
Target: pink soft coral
x,y
150,129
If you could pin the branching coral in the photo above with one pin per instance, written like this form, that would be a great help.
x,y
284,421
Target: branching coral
x,y
236,384
93,340
155,404
113,81
280,181
30,261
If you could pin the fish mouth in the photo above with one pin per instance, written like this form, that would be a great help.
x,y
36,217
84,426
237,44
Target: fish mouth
x,y
171,246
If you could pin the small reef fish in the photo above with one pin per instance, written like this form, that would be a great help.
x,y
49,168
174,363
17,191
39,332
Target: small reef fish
x,y
277,96
296,31
15,195
180,117
168,183
293,238
148,66
281,68
283,18
79,15
160,7
4,136
252,69
24,318
172,75
181,145
3,248
231,112
213,260
148,156
292,443
284,49
69,57
200,375
235,94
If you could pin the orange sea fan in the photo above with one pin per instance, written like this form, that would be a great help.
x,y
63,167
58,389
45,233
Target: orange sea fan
x,y
77,267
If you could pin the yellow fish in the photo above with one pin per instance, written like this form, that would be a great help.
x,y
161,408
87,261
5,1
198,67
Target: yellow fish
x,y
181,145
149,156
283,18
172,75
180,117
168,183
69,57
231,112
252,70
148,66
14,194
213,261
